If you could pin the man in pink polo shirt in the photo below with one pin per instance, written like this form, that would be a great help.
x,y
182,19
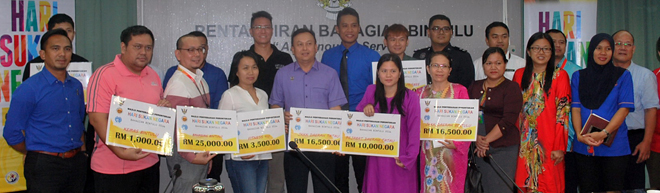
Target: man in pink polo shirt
x,y
118,169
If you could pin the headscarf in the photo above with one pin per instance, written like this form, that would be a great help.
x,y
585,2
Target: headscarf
x,y
597,81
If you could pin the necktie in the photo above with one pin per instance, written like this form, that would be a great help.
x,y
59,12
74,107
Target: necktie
x,y
343,76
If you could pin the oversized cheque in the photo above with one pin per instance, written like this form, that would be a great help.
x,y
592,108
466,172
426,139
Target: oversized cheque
x,y
377,135
449,119
261,132
134,124
201,130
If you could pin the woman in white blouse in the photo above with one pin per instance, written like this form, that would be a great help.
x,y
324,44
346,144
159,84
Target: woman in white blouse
x,y
247,173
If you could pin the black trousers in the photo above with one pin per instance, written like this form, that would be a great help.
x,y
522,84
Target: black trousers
x,y
571,176
297,168
600,174
142,181
216,169
342,171
635,174
47,173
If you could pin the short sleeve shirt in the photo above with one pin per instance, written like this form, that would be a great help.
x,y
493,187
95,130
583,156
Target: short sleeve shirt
x,y
115,79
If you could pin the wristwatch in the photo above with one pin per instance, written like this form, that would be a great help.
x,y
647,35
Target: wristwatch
x,y
606,132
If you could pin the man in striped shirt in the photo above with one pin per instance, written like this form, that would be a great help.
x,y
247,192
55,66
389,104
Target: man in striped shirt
x,y
187,87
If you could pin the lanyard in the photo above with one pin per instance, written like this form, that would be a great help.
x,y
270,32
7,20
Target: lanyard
x,y
564,64
195,82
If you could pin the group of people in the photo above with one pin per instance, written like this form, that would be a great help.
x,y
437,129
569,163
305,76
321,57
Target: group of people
x,y
531,112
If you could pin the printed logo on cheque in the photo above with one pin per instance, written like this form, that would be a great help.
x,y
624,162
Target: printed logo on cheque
x,y
332,7
11,177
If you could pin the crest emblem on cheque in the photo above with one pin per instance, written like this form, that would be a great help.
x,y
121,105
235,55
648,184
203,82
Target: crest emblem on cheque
x,y
332,7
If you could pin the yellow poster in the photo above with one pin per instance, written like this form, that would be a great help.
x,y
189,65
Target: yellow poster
x,y
261,132
11,168
134,124
316,129
377,135
201,130
449,119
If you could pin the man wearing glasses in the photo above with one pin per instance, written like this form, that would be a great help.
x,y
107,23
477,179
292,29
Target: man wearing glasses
x,y
217,83
641,122
187,87
269,62
440,32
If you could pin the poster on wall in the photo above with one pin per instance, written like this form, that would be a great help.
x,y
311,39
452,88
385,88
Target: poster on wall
x,y
22,23
576,18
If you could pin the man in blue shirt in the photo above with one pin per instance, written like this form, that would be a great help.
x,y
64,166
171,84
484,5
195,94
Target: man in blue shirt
x,y
570,178
45,121
641,122
559,40
352,62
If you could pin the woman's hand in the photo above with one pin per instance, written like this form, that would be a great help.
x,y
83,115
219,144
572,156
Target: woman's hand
x,y
557,155
589,140
398,163
482,146
449,144
369,110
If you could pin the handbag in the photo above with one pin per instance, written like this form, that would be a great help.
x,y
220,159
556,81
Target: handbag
x,y
473,176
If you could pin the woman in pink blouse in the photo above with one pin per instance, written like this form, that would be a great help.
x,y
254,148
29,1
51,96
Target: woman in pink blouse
x,y
443,163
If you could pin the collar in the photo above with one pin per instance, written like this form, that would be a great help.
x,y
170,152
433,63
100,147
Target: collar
x,y
50,78
185,71
507,55
350,49
123,70
315,66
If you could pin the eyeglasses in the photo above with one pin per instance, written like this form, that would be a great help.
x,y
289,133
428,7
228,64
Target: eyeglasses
x,y
440,66
538,49
193,50
445,29
265,27
623,44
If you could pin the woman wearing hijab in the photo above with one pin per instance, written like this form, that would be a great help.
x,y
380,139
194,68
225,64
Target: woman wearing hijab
x,y
607,91
544,118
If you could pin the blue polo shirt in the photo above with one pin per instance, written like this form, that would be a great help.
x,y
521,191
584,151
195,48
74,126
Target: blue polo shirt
x,y
50,112
358,60
213,75
621,96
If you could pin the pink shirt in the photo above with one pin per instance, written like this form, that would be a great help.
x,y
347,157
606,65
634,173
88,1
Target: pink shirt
x,y
115,79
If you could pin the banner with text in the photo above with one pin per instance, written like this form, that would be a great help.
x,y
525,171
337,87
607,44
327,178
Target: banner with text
x,y
201,130
134,124
227,24
261,132
566,16
22,23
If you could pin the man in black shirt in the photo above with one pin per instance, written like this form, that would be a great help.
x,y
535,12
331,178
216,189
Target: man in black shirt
x,y
269,62
57,21
440,31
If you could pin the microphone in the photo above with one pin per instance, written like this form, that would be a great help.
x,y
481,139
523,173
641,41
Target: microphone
x,y
176,172
294,145
490,159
